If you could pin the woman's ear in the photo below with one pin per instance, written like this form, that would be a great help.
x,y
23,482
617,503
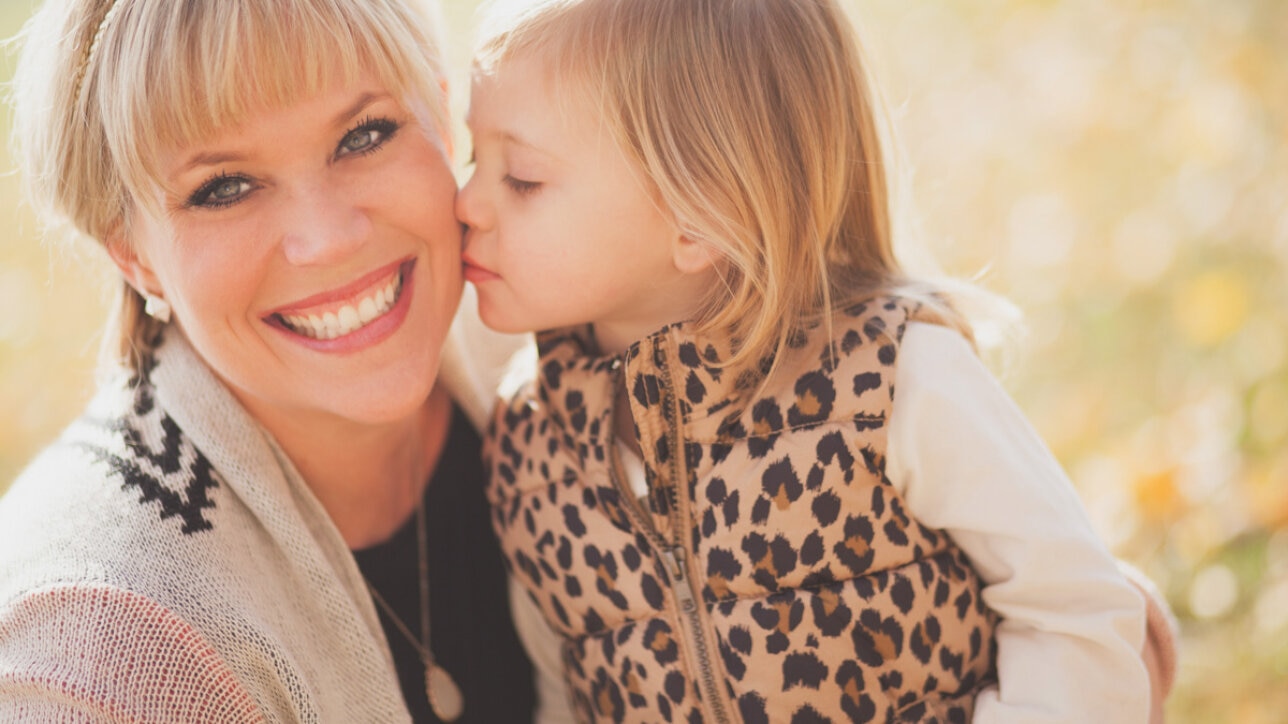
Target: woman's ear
x,y
136,270
690,256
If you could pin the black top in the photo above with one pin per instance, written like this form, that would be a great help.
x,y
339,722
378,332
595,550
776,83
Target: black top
x,y
472,634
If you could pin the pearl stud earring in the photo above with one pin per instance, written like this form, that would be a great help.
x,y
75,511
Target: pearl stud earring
x,y
157,308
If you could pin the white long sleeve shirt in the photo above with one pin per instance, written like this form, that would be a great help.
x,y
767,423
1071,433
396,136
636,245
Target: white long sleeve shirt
x,y
967,461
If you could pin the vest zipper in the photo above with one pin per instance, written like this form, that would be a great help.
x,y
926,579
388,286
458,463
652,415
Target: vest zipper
x,y
690,610
676,557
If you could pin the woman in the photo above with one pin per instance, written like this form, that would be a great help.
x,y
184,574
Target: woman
x,y
233,530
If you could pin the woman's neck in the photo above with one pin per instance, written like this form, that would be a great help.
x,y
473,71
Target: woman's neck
x,y
369,478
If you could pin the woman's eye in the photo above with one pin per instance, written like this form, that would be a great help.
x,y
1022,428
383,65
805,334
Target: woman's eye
x,y
367,137
521,187
221,191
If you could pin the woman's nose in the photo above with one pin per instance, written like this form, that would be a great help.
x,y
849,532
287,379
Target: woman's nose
x,y
322,226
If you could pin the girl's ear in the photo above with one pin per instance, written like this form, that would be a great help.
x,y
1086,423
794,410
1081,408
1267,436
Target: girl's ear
x,y
691,257
134,267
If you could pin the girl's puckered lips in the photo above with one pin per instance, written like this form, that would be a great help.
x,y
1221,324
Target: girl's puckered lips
x,y
475,273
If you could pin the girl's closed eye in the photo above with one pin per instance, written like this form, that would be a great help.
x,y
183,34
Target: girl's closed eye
x,y
368,136
520,186
220,191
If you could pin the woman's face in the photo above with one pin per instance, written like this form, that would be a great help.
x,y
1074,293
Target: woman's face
x,y
310,255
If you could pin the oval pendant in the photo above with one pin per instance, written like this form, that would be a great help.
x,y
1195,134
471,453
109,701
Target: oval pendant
x,y
444,695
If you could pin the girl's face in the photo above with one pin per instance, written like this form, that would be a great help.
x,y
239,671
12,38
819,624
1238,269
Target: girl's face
x,y
561,229
311,256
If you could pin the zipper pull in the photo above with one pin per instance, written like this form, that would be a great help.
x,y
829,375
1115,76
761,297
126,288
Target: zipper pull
x,y
675,563
683,591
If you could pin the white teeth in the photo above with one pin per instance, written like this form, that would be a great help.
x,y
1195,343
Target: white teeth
x,y
347,319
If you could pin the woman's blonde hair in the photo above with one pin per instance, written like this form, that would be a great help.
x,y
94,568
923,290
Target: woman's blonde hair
x,y
759,127
103,87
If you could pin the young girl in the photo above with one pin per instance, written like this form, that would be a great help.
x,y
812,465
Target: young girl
x,y
758,473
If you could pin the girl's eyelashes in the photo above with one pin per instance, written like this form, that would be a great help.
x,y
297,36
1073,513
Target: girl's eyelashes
x,y
521,187
517,185
220,191
367,137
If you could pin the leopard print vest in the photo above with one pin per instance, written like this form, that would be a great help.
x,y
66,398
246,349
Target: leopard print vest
x,y
773,573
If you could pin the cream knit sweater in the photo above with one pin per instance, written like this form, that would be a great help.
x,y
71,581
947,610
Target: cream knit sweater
x,y
164,562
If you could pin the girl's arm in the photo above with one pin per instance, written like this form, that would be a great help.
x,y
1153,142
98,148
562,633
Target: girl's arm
x,y
543,646
1073,628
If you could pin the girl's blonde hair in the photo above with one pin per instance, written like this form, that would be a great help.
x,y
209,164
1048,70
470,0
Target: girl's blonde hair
x,y
757,124
103,87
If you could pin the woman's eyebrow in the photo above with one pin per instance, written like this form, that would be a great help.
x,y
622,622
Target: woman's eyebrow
x,y
212,158
216,158
358,105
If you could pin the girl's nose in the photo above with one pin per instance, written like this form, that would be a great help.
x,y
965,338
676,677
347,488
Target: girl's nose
x,y
323,226
471,207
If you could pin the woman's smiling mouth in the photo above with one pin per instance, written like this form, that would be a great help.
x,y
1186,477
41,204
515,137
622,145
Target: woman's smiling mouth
x,y
348,318
343,312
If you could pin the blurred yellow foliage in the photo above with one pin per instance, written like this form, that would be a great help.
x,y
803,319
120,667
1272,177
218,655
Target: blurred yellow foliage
x,y
1266,493
1157,497
1211,306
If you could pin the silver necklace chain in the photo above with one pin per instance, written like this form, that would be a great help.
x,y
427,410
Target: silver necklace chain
x,y
444,695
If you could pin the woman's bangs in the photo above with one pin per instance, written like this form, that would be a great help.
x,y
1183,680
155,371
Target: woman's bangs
x,y
215,63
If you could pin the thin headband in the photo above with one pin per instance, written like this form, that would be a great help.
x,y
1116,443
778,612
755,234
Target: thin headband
x,y
112,7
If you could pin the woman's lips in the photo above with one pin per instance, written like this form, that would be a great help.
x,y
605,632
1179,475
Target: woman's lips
x,y
344,318
349,309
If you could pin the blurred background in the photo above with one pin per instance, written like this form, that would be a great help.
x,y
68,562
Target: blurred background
x,y
1117,168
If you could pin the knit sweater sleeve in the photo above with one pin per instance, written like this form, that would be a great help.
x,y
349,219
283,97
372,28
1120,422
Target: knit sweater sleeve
x,y
1072,629
97,653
